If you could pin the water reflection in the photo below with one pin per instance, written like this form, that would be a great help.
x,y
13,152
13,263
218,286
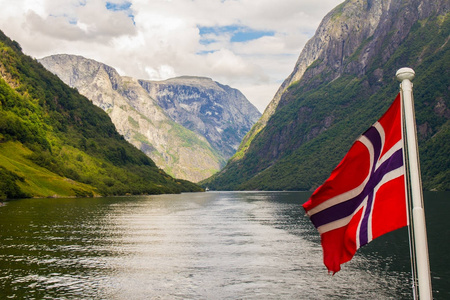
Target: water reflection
x,y
215,245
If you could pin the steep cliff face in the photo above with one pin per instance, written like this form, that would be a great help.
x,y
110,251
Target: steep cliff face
x,y
179,151
341,83
218,112
347,40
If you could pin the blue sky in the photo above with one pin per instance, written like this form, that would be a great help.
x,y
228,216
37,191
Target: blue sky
x,y
237,33
251,45
118,6
121,6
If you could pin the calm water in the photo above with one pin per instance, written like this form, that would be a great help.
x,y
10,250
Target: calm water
x,y
215,245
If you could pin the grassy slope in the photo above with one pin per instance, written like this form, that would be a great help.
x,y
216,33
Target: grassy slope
x,y
61,137
38,181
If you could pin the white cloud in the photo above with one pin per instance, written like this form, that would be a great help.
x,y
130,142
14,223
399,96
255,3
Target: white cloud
x,y
158,39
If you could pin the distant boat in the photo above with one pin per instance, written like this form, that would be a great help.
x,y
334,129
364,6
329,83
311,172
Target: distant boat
x,y
206,189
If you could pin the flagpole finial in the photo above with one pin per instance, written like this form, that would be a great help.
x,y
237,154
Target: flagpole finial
x,y
405,73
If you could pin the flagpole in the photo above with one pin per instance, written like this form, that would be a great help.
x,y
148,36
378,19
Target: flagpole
x,y
405,75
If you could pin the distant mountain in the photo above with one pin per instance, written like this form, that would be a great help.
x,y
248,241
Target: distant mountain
x,y
179,151
189,126
218,112
55,143
342,82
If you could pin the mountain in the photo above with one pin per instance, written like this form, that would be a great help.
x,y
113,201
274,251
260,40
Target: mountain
x,y
55,142
343,81
218,112
177,150
189,126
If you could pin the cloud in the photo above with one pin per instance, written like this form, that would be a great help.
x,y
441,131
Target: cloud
x,y
247,44
53,26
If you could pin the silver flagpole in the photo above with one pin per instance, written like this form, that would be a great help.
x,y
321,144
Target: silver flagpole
x,y
405,75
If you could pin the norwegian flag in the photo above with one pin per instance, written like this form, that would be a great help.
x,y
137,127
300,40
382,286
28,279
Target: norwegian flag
x,y
364,197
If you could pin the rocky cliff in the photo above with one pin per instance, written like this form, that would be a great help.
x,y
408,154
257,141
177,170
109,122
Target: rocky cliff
x,y
341,83
218,112
347,40
180,152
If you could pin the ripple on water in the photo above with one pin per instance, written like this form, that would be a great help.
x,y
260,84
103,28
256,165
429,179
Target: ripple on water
x,y
228,245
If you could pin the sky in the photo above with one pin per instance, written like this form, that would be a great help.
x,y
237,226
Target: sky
x,y
251,45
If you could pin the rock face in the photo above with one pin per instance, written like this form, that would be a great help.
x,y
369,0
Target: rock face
x,y
347,40
341,82
182,153
218,112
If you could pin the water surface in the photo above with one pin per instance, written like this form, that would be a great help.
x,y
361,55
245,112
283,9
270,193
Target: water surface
x,y
215,245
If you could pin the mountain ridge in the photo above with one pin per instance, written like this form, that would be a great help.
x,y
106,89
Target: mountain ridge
x,y
188,150
336,93
180,152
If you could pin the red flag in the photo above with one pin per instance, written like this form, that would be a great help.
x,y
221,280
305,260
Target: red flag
x,y
364,197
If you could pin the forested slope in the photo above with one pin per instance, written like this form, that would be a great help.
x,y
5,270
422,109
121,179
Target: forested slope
x,y
55,142
347,84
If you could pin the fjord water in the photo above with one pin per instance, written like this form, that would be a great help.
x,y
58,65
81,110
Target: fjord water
x,y
214,245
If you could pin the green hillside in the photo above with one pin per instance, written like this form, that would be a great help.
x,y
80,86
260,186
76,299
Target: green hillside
x,y
55,142
320,116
